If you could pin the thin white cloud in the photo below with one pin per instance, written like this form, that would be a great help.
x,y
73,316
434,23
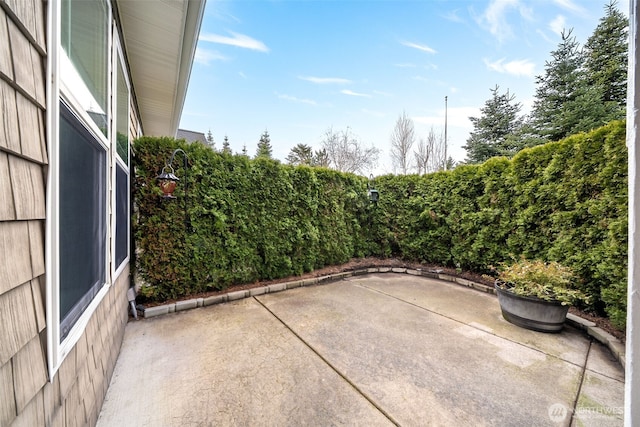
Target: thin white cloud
x,y
205,57
405,65
352,93
242,74
453,16
422,47
296,99
571,6
545,36
520,67
558,24
379,92
494,18
237,40
325,80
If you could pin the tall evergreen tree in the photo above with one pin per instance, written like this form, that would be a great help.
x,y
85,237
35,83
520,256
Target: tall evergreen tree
x,y
226,146
321,158
210,140
498,119
264,146
557,88
301,154
606,56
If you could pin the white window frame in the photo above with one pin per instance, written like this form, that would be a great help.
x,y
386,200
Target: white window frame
x,y
58,90
118,61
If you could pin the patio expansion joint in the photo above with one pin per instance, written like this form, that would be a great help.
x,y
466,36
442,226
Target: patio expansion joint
x,y
584,369
330,365
612,343
475,327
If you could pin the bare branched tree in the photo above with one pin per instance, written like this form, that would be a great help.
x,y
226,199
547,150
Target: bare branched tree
x,y
429,155
402,140
422,157
346,153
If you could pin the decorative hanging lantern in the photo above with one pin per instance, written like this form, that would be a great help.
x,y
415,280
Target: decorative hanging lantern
x,y
372,193
167,182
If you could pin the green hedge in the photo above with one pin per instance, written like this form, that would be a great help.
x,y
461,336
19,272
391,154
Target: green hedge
x,y
565,201
258,219
251,220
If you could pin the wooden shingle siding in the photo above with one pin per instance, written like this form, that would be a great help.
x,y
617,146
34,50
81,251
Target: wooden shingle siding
x,y
6,64
57,407
29,372
15,269
39,64
7,209
73,407
50,405
8,402
67,373
82,351
39,296
85,386
29,118
18,325
29,15
36,247
32,415
9,133
21,52
27,180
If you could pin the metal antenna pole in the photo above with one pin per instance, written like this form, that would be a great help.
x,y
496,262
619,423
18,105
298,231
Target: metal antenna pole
x,y
445,133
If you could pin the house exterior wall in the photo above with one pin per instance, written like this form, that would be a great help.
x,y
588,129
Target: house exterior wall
x,y
28,396
632,368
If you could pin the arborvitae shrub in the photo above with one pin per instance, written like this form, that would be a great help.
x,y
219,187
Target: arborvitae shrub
x,y
259,219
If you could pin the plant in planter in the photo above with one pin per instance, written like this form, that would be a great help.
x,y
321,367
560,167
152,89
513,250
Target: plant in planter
x,y
537,295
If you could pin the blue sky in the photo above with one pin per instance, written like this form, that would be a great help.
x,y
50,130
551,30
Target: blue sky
x,y
296,68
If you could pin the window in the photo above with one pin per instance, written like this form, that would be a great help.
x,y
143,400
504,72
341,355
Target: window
x,y
88,191
122,115
84,40
83,159
122,216
83,231
121,225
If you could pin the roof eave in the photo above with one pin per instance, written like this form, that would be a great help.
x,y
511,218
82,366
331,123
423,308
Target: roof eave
x,y
160,39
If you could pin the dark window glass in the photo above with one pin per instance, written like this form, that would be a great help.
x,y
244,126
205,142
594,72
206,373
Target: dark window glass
x,y
84,36
122,215
82,220
122,117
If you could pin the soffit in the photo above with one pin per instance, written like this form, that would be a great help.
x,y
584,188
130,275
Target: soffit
x,y
160,38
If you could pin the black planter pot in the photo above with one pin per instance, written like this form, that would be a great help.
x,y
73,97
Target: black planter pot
x,y
530,312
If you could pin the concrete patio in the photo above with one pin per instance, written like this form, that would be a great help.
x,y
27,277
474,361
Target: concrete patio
x,y
379,349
